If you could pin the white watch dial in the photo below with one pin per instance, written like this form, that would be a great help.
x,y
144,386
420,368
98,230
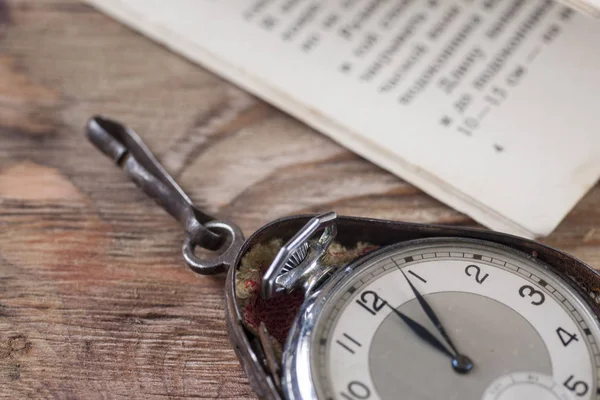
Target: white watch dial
x,y
509,314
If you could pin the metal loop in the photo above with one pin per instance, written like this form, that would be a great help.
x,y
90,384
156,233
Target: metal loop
x,y
225,258
129,152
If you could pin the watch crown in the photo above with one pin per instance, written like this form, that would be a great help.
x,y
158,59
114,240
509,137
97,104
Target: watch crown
x,y
297,264
296,258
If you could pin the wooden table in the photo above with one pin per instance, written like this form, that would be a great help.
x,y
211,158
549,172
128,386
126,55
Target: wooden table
x,y
95,299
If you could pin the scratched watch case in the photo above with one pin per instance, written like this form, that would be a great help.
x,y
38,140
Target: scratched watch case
x,y
382,233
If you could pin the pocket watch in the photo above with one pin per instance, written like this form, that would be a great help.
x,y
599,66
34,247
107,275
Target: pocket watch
x,y
336,307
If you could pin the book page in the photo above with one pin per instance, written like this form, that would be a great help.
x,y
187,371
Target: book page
x,y
490,106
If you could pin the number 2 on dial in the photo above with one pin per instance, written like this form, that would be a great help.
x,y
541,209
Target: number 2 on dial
x,y
479,278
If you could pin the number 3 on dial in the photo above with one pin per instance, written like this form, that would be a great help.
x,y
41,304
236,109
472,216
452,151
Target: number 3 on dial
x,y
528,290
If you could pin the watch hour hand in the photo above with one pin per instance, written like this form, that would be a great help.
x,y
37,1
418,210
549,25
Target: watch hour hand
x,y
421,332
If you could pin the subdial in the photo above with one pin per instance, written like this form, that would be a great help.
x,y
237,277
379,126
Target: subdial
x,y
526,385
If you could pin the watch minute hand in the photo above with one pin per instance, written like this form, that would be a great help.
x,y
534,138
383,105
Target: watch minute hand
x,y
461,363
430,313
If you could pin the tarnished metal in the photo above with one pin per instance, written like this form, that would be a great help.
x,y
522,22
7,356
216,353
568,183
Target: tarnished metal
x,y
272,364
129,152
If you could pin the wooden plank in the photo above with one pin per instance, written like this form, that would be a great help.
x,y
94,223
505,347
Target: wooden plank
x,y
95,299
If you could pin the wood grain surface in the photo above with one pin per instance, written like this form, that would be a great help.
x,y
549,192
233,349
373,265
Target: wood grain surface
x,y
95,299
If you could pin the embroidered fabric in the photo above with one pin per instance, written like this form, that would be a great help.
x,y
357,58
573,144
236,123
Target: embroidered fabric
x,y
278,313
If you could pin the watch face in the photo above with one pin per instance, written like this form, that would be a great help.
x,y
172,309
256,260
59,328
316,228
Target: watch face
x,y
451,319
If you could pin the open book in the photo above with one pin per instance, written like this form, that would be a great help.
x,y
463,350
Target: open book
x,y
491,106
